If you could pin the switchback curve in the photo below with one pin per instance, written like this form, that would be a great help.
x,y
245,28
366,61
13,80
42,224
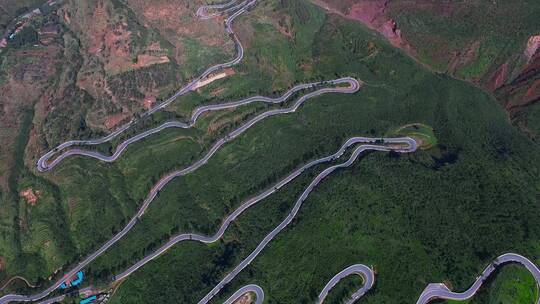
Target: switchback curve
x,y
440,291
256,289
44,163
412,146
365,272
240,9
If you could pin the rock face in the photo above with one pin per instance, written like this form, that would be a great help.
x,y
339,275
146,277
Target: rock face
x,y
532,46
373,14
499,77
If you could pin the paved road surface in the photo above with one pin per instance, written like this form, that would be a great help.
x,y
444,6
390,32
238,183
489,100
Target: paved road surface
x,y
440,291
57,299
43,167
256,289
353,87
44,163
266,193
219,9
243,7
411,147
367,274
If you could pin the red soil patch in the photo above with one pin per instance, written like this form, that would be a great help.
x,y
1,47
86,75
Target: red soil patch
x,y
170,16
217,92
117,44
245,299
149,102
499,77
30,196
154,47
369,12
115,119
524,90
102,36
98,28
533,93
283,25
176,20
148,60
463,57
372,13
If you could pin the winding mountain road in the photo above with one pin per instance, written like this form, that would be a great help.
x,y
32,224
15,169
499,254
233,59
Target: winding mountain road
x,y
411,146
240,9
44,163
393,144
399,145
221,9
256,289
367,274
353,87
440,291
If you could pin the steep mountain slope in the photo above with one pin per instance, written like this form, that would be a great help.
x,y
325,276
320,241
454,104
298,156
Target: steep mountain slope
x,y
493,44
79,69
440,214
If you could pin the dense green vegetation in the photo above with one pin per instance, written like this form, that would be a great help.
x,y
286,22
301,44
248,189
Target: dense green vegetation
x,y
344,290
409,216
511,284
27,36
533,119
398,214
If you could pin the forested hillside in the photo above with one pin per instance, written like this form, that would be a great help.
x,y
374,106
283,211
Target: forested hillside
x,y
438,215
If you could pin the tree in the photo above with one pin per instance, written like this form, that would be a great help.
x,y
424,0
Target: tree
x,y
27,36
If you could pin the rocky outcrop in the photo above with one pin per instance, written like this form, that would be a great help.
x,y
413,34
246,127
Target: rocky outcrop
x,y
532,47
373,14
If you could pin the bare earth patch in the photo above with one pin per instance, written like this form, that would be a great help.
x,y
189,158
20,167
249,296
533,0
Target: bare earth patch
x,y
463,57
245,299
532,46
148,60
176,21
372,13
213,77
30,196
148,102
115,119
499,78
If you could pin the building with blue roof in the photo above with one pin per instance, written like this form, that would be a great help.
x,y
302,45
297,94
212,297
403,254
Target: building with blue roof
x,y
88,300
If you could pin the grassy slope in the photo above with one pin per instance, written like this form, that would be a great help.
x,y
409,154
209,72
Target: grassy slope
x,y
394,213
